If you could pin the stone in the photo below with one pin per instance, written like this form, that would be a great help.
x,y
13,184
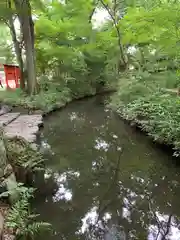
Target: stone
x,y
3,157
11,185
8,118
9,237
1,226
25,126
8,170
5,109
40,112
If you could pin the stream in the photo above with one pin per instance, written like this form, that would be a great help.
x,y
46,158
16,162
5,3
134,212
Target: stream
x,y
104,179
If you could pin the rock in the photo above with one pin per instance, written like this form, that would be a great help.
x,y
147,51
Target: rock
x,y
25,126
3,157
11,186
8,118
9,237
3,189
39,112
5,109
1,226
6,171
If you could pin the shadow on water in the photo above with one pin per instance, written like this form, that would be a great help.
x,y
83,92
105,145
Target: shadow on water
x,y
104,180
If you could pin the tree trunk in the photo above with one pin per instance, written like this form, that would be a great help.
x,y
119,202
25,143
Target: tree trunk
x,y
142,60
122,65
24,13
30,60
17,49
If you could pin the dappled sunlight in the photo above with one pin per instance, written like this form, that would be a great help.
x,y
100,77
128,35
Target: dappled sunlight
x,y
89,219
166,227
109,181
63,193
101,145
73,116
45,147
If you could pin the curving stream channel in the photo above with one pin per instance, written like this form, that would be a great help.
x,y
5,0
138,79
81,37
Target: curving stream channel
x,y
105,180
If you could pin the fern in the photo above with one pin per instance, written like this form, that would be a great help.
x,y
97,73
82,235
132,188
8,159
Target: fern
x,y
20,153
20,218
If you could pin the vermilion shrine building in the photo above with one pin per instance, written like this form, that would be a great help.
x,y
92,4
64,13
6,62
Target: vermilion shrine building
x,y
10,76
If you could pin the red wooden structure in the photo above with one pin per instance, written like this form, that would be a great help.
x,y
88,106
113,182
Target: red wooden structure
x,y
12,76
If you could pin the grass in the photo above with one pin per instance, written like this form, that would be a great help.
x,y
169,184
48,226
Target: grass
x,y
45,100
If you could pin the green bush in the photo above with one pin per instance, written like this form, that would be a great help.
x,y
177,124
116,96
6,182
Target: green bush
x,y
150,108
131,88
53,94
159,115
21,154
45,100
20,218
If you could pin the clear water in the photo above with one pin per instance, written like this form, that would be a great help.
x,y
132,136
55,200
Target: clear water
x,y
104,179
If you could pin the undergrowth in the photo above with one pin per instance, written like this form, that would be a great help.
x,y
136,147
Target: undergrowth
x,y
21,153
53,94
151,108
45,100
21,220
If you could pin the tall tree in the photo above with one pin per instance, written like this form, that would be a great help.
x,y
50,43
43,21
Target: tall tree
x,y
23,9
16,43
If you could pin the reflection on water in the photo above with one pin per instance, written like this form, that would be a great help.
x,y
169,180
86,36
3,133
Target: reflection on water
x,y
101,144
109,182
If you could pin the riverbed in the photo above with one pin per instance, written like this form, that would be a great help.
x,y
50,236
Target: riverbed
x,y
104,179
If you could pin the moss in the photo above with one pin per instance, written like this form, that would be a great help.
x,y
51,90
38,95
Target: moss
x,y
24,159
21,153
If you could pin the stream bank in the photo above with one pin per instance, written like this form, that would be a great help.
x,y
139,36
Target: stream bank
x,y
145,102
46,101
103,178
19,163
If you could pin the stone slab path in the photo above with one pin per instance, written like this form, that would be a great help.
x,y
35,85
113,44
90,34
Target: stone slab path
x,y
8,118
20,125
16,124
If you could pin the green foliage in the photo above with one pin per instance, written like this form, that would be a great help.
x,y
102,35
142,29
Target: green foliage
x,y
71,49
159,115
45,100
145,103
78,58
132,88
20,218
6,55
153,29
20,153
75,59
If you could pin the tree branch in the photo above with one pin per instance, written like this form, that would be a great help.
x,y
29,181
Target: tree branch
x,y
113,18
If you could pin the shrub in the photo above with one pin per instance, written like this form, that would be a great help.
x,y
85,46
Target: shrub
x,y
20,153
156,112
21,220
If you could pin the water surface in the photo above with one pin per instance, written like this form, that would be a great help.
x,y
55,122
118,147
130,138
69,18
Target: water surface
x,y
105,180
